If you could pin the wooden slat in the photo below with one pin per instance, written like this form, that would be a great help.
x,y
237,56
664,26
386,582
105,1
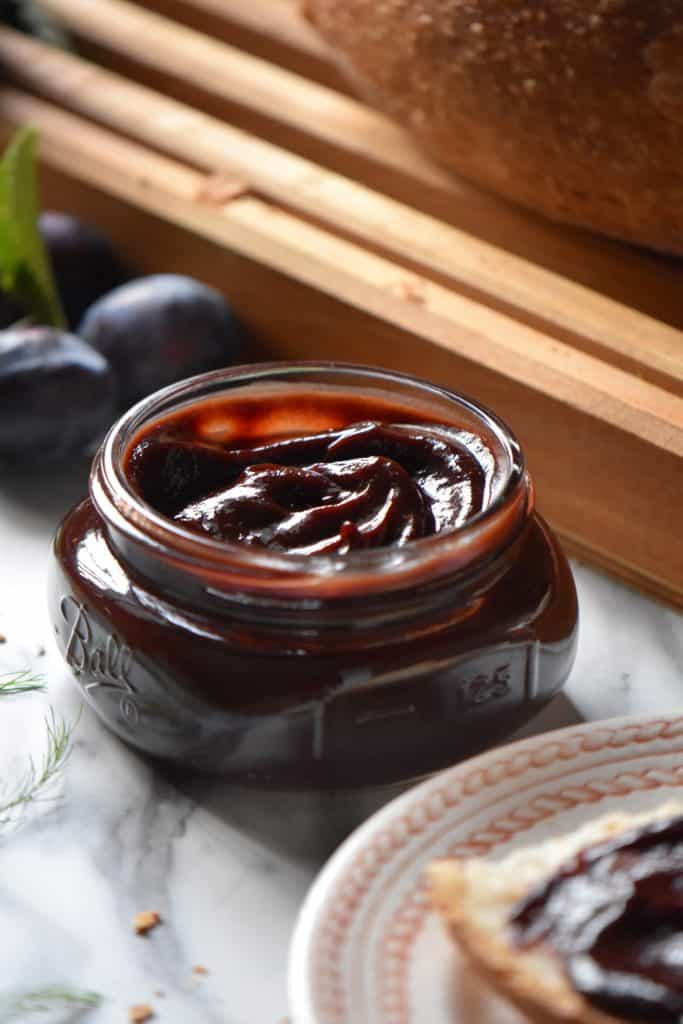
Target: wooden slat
x,y
282,241
630,340
287,243
282,17
336,121
272,29
580,419
367,148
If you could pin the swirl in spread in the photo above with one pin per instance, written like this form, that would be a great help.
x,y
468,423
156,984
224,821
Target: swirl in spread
x,y
615,916
366,485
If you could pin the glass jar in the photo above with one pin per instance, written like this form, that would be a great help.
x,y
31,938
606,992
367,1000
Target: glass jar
x,y
373,667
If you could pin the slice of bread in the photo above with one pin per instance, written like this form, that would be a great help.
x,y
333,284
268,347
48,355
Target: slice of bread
x,y
477,897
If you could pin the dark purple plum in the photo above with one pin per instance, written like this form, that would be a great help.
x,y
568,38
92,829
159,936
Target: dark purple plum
x,y
160,329
84,263
57,395
83,260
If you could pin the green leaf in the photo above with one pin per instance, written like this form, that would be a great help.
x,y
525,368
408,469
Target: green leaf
x,y
25,270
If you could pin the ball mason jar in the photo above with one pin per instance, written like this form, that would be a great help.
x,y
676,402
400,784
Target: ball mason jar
x,y
275,669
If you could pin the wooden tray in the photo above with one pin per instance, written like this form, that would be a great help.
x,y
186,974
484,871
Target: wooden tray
x,y
214,137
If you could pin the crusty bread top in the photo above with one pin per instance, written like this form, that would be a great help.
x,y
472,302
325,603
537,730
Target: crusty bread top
x,y
572,107
476,897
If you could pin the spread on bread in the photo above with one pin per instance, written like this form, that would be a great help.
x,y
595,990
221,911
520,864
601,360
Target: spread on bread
x,y
581,928
614,913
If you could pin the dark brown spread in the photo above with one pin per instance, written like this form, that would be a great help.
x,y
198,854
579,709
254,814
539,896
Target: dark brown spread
x,y
369,484
615,916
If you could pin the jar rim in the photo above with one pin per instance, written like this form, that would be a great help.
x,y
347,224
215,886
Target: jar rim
x,y
368,569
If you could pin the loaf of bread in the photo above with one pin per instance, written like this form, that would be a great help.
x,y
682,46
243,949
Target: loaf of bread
x,y
477,896
570,107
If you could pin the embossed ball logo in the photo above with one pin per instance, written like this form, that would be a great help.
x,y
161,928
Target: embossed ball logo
x,y
100,661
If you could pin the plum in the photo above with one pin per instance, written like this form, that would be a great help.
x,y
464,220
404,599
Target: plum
x,y
84,264
57,395
159,329
83,260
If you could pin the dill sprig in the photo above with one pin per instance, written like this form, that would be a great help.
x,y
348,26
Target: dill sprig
x,y
33,786
20,682
20,1005
36,783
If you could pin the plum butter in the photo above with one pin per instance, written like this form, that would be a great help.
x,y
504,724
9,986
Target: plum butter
x,y
312,575
366,485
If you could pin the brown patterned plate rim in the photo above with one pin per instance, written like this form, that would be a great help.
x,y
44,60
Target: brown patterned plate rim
x,y
537,780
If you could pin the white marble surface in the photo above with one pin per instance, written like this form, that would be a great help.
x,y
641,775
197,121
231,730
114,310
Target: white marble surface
x,y
227,873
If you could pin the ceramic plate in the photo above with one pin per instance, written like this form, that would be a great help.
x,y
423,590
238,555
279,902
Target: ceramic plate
x,y
369,950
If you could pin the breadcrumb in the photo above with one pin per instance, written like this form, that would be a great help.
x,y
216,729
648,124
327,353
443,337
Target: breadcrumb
x,y
141,1013
145,921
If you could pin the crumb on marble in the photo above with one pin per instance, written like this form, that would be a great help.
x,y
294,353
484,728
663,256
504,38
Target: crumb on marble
x,y
140,1013
3,638
200,969
160,994
40,653
145,921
